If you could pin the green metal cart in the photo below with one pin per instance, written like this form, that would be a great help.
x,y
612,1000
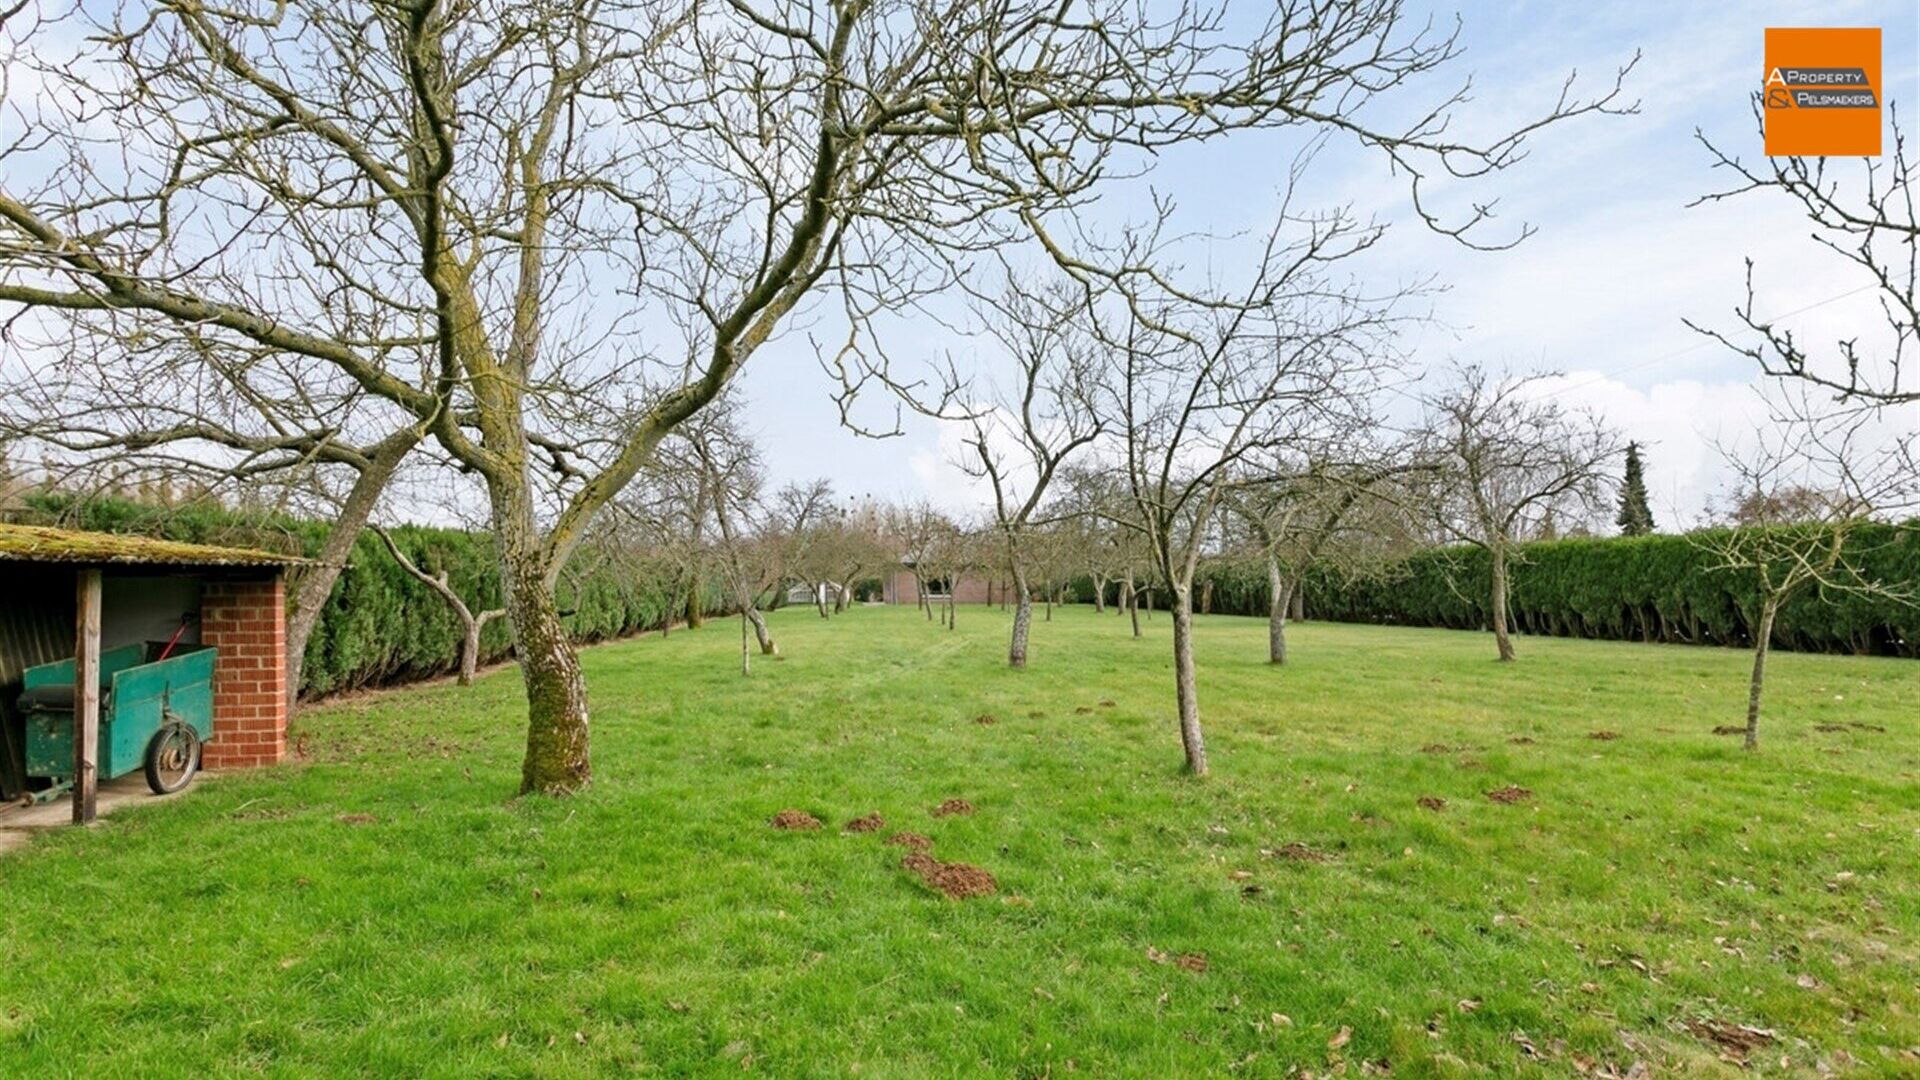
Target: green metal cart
x,y
154,715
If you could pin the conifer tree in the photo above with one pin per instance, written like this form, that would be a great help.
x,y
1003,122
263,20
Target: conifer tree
x,y
1635,519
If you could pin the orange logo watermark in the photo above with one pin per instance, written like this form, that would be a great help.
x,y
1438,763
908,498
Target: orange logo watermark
x,y
1822,92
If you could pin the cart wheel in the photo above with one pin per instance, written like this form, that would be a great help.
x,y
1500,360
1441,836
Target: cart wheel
x,y
172,758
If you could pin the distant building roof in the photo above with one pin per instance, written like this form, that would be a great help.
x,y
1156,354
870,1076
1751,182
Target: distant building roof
x,y
40,544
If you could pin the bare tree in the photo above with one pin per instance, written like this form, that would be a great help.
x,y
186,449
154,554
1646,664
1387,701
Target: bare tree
x,y
915,530
1297,510
1198,389
1502,459
1102,499
1868,220
845,543
1840,481
432,199
471,623
1022,430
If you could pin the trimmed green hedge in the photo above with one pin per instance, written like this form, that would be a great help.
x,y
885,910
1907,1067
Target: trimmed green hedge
x,y
381,626
1646,588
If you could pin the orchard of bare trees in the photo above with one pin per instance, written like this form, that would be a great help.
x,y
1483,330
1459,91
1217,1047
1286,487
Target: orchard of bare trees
x,y
520,255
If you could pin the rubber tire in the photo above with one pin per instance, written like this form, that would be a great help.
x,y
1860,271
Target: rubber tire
x,y
152,762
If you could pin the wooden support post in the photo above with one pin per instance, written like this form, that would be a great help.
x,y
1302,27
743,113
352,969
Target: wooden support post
x,y
86,696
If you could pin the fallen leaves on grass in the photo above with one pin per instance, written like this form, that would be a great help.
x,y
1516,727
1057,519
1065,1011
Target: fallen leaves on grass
x,y
912,841
952,807
1432,802
794,819
867,823
1737,1040
1340,1038
1194,962
957,881
1509,795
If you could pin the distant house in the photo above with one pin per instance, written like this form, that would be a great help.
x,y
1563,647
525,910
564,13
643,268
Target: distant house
x,y
900,587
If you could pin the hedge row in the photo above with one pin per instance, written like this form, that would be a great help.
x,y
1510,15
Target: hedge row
x,y
1648,588
381,626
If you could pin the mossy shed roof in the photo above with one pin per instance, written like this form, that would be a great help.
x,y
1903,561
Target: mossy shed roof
x,y
40,544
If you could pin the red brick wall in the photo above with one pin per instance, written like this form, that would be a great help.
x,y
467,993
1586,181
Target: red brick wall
x,y
971,589
247,622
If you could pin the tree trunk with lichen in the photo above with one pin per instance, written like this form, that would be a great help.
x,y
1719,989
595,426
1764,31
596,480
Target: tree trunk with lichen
x,y
314,585
1186,692
1502,638
1279,600
557,735
1762,642
760,632
1022,620
696,611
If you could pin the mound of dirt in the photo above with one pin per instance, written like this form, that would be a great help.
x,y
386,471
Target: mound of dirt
x,y
1432,802
952,807
913,841
869,823
794,819
1510,794
1295,851
1106,703
1520,740
1603,736
956,881
1436,748
1729,729
1082,710
986,719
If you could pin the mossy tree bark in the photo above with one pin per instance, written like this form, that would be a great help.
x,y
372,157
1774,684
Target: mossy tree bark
x,y
1502,638
1762,642
1279,600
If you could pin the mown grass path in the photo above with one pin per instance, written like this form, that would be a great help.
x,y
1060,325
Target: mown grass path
x,y
384,909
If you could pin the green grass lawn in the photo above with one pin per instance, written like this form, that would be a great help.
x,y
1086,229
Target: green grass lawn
x,y
383,907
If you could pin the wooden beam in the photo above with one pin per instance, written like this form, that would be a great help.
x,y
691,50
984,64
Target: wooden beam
x,y
86,696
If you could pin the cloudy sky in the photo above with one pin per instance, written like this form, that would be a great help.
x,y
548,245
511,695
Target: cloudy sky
x,y
1598,293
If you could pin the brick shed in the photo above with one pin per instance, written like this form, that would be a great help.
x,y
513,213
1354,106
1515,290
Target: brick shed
x,y
900,587
149,592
